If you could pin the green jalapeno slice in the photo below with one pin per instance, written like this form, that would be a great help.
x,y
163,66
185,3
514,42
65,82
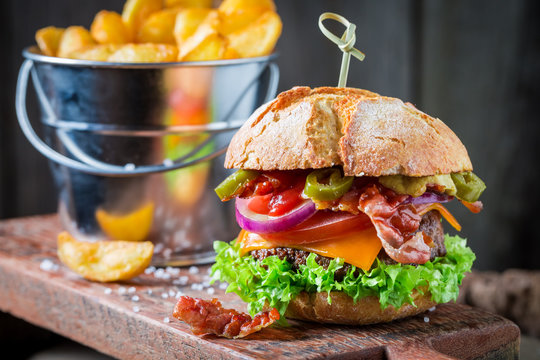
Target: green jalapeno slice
x,y
233,183
469,186
336,186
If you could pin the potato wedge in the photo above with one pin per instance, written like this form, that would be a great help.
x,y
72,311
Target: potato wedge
x,y
74,38
95,52
230,6
108,28
238,20
134,226
145,53
48,40
104,261
230,53
213,47
259,38
188,3
159,28
206,43
187,22
137,11
237,14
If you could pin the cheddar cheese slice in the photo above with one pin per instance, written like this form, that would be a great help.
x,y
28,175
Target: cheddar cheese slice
x,y
444,212
359,249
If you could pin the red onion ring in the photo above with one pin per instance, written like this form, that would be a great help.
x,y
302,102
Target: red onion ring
x,y
263,224
428,198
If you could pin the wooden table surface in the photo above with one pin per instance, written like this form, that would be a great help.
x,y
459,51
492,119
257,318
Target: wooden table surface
x,y
132,320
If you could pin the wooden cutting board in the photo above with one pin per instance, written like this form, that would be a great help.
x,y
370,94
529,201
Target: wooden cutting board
x,y
132,320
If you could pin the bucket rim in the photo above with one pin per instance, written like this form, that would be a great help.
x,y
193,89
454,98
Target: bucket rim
x,y
33,53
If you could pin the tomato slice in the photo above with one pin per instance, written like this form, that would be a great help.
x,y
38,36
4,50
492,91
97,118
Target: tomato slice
x,y
260,204
277,204
285,201
324,225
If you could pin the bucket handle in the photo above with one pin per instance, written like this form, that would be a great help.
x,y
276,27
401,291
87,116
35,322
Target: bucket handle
x,y
96,167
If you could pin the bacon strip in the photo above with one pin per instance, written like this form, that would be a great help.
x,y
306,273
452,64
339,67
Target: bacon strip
x,y
396,224
209,317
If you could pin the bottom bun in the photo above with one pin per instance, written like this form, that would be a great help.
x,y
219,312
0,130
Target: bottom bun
x,y
343,310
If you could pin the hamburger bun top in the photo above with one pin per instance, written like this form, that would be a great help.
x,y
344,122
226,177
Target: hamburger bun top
x,y
366,133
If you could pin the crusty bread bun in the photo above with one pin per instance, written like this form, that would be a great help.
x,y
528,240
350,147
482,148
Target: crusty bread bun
x,y
368,134
343,310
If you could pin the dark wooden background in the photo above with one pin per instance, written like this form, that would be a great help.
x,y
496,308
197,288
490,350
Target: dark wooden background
x,y
474,64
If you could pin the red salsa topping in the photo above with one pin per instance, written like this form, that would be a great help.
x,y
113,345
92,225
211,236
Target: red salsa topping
x,y
275,193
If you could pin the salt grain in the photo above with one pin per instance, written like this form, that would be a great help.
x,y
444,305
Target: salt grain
x,y
432,308
172,271
166,320
168,162
171,293
197,287
159,273
48,265
129,167
131,290
135,298
107,291
149,291
164,295
182,280
178,294
122,290
158,248
223,286
149,270
426,319
210,291
136,309
193,270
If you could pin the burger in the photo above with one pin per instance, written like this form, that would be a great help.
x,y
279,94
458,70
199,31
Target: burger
x,y
339,193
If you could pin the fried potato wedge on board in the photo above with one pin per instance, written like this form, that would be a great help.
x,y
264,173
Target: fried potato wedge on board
x,y
145,53
134,226
95,52
188,3
137,11
187,22
108,28
48,40
259,38
159,28
74,38
104,261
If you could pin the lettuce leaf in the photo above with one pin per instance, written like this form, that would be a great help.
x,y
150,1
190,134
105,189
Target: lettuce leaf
x,y
273,282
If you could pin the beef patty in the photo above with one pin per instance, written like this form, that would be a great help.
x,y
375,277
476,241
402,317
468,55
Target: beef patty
x,y
430,225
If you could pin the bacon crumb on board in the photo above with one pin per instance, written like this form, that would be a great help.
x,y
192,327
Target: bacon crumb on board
x,y
209,317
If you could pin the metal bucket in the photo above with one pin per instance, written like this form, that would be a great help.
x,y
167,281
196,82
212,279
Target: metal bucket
x,y
137,149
